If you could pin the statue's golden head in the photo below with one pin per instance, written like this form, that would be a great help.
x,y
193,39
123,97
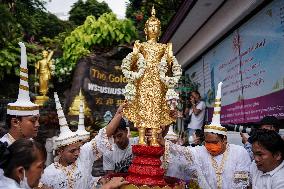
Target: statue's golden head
x,y
152,26
44,53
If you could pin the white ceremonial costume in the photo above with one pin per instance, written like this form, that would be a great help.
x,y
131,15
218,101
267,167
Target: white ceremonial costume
x,y
197,163
77,175
229,170
270,180
23,106
7,183
7,138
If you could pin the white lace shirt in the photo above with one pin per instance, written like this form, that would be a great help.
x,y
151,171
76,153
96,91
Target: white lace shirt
x,y
77,175
196,163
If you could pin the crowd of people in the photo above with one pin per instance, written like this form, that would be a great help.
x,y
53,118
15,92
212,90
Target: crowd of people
x,y
212,162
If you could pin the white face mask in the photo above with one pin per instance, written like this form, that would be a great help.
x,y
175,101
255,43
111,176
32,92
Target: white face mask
x,y
24,182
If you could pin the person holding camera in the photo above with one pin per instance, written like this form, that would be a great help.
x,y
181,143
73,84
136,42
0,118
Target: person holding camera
x,y
196,112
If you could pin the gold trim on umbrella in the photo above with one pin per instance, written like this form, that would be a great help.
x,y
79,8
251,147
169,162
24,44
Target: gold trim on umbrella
x,y
216,112
24,78
25,88
218,100
24,70
23,108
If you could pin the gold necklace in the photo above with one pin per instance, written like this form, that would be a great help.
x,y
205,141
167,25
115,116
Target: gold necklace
x,y
219,169
68,172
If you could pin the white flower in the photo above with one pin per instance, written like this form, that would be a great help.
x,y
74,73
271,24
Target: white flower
x,y
170,82
126,63
130,91
171,94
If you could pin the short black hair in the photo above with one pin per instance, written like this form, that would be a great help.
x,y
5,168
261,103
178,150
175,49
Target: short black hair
x,y
195,91
199,133
122,125
270,140
9,118
20,153
270,120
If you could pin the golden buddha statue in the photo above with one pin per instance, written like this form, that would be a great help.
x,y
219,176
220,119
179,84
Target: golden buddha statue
x,y
44,69
147,69
74,108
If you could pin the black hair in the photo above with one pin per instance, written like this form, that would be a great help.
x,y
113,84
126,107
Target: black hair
x,y
270,120
9,118
270,140
199,133
122,126
196,93
20,153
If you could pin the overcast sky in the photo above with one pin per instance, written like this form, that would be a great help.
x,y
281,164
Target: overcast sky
x,y
62,7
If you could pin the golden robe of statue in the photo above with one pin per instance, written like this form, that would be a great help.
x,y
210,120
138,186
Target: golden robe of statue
x,y
149,109
44,68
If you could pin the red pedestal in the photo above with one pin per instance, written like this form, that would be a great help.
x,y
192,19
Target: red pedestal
x,y
146,171
146,166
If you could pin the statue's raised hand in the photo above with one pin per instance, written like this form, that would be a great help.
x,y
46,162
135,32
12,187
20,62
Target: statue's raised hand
x,y
169,51
136,47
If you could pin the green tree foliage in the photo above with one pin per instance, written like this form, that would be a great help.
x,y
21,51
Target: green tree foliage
x,y
80,10
140,10
27,21
105,32
50,26
185,87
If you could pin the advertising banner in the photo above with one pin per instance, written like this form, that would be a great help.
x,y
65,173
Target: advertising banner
x,y
250,63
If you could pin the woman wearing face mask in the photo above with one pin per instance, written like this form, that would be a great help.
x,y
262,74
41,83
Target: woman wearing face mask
x,y
23,164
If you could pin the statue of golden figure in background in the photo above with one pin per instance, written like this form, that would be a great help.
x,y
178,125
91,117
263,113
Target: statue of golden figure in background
x,y
44,68
75,106
146,91
43,71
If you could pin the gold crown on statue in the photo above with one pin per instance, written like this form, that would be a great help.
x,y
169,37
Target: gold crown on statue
x,y
153,18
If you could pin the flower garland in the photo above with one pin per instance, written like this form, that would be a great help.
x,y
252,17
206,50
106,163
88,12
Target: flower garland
x,y
131,76
170,82
126,64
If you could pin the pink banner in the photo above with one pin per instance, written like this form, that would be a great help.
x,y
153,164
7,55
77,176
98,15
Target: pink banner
x,y
253,110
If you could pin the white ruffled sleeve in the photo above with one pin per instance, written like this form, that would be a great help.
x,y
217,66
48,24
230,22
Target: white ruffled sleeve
x,y
182,162
93,150
178,161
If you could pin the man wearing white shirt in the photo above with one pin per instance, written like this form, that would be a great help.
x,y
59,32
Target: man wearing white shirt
x,y
267,171
120,157
197,112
